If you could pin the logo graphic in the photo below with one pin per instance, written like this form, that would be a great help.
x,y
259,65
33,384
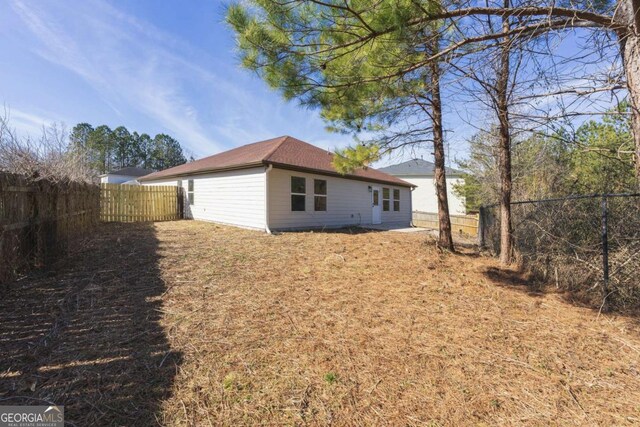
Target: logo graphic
x,y
32,416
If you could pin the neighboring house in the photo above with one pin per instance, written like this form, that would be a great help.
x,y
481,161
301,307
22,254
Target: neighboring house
x,y
284,183
124,176
421,173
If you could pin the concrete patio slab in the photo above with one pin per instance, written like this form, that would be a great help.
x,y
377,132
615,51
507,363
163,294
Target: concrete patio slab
x,y
396,228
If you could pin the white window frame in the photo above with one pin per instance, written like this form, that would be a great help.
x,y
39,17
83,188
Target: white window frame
x,y
387,199
191,192
326,187
396,191
298,194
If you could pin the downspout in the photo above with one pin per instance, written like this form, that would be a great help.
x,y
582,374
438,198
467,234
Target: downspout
x,y
266,198
411,206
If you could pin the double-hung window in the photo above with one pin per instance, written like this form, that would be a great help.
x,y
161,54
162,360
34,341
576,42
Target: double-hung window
x,y
298,193
190,191
396,200
320,194
385,199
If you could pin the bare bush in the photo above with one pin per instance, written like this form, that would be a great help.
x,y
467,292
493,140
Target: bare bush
x,y
588,246
49,157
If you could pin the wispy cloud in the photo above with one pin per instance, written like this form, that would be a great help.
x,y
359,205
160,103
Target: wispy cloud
x,y
127,61
147,74
29,123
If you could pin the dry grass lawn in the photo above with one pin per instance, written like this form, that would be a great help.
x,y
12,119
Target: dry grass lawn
x,y
373,328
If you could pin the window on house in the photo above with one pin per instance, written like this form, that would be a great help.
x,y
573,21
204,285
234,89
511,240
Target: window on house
x,y
385,199
190,191
298,193
320,194
396,200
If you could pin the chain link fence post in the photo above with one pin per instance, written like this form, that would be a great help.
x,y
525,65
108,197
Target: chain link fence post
x,y
605,253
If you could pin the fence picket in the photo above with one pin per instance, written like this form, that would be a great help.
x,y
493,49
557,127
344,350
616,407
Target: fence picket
x,y
39,219
130,203
467,224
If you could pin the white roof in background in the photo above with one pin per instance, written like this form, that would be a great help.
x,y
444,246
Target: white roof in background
x,y
416,167
130,171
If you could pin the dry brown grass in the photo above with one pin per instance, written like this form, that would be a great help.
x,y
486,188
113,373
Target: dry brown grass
x,y
316,328
378,329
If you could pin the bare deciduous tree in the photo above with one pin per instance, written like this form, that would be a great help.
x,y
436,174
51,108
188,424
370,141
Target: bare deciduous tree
x,y
49,157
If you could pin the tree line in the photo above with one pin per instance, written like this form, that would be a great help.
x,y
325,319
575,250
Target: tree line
x,y
108,149
596,158
383,72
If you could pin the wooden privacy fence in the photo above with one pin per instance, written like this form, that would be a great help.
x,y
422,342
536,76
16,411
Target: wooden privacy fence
x,y
461,224
138,203
39,218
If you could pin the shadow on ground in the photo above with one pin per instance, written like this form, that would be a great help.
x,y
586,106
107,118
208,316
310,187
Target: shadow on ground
x,y
580,295
86,334
514,279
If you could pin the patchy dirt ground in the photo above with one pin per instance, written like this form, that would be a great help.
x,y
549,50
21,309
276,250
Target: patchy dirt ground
x,y
191,323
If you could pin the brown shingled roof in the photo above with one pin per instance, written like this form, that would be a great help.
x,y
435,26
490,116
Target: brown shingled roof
x,y
283,152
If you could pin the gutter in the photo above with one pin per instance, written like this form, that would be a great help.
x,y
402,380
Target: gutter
x,y
337,175
203,171
411,206
279,166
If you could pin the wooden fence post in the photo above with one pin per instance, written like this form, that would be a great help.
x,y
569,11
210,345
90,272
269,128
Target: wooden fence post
x,y
481,226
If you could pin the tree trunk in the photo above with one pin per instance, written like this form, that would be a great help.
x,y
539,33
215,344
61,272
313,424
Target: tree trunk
x,y
502,96
444,221
628,13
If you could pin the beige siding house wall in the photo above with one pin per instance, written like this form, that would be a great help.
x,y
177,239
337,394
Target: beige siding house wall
x,y
251,186
124,175
421,173
114,179
349,202
425,199
230,197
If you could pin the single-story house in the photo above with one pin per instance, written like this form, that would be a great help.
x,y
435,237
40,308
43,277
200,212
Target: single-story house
x,y
286,184
128,175
420,173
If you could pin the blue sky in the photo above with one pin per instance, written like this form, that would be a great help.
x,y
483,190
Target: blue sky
x,y
158,66
152,66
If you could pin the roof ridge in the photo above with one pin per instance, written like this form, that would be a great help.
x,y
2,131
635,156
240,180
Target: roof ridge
x,y
284,150
202,159
239,147
273,150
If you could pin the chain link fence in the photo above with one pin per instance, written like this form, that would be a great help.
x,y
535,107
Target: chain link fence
x,y
586,245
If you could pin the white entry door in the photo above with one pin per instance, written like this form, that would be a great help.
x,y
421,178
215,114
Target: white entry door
x,y
376,208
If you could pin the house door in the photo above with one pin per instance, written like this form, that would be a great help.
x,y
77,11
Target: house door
x,y
376,208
